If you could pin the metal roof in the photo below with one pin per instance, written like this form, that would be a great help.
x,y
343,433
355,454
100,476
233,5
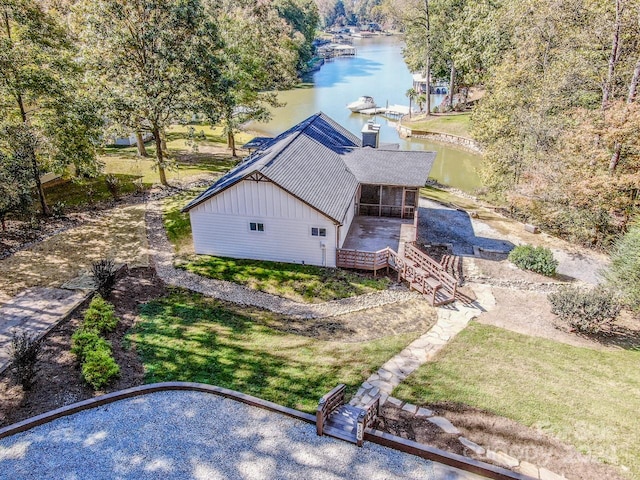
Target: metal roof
x,y
321,163
390,167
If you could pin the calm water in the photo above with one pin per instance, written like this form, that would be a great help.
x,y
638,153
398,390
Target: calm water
x,y
378,70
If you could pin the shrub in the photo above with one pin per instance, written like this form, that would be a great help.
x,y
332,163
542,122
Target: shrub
x,y
113,185
585,310
536,259
99,367
100,317
24,352
57,210
624,273
104,276
84,341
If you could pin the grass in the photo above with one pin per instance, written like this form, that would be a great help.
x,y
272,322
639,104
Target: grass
x,y
77,193
457,124
306,283
587,398
187,337
176,223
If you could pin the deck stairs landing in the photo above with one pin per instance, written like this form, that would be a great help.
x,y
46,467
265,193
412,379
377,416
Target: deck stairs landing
x,y
424,274
346,422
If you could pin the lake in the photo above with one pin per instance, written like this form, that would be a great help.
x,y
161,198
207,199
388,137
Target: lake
x,y
378,70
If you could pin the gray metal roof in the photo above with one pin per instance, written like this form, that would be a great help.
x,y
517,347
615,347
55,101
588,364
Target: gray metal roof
x,y
390,167
321,163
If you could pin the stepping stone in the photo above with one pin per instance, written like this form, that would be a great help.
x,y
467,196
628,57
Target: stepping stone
x,y
424,412
527,468
475,448
409,408
444,424
395,401
502,458
367,385
549,475
374,391
384,374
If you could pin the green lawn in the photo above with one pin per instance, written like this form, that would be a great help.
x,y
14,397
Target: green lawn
x,y
187,337
306,283
76,193
587,398
458,124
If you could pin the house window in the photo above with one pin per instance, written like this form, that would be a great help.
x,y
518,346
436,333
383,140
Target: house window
x,y
318,232
256,227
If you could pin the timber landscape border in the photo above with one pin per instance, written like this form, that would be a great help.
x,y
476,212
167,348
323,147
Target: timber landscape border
x,y
374,436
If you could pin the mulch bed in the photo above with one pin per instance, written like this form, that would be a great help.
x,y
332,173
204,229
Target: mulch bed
x,y
59,381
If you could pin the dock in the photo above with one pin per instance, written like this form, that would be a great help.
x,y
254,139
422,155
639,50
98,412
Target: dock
x,y
392,111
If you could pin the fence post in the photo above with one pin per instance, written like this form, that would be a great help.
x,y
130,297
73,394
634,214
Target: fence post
x,y
360,430
320,416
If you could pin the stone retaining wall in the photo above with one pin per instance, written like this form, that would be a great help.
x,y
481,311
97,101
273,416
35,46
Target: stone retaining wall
x,y
467,143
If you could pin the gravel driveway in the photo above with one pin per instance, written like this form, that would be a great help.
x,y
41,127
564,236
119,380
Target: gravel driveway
x,y
178,435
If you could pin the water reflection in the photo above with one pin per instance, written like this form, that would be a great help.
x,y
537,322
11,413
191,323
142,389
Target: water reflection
x,y
377,70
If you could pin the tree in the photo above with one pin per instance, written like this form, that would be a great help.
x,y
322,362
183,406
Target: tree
x,y
39,91
624,273
141,54
412,95
303,17
16,181
249,73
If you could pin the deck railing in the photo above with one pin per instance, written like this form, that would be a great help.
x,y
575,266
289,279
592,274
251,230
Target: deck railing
x,y
359,260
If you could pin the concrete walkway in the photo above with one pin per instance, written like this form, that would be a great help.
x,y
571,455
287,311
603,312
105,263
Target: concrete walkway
x,y
36,311
193,435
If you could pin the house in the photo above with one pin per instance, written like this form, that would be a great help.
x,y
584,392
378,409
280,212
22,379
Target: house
x,y
296,197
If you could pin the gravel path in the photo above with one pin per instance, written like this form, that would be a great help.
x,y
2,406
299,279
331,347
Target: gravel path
x,y
162,254
179,435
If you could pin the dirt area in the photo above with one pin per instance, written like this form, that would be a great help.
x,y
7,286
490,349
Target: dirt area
x,y
363,326
59,382
121,234
497,434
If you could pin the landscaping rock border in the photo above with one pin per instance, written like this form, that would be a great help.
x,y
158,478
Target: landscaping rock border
x,y
162,256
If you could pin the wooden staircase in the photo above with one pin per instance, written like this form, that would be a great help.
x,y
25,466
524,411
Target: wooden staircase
x,y
424,274
346,422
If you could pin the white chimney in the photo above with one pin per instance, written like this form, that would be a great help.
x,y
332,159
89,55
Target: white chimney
x,y
371,135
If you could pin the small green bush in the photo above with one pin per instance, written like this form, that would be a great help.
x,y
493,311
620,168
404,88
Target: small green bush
x,y
586,311
84,341
624,273
100,316
24,352
536,259
99,367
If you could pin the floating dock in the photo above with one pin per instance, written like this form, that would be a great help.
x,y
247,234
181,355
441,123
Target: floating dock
x,y
393,111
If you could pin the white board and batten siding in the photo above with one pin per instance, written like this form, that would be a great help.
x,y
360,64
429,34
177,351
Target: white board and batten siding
x,y
221,226
346,222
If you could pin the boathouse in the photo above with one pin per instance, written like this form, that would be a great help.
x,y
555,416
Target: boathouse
x,y
309,193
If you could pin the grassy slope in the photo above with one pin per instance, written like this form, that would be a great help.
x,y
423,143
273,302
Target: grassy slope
x,y
191,338
459,124
585,397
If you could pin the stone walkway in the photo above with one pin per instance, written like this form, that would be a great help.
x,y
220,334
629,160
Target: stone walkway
x,y
36,311
163,255
452,319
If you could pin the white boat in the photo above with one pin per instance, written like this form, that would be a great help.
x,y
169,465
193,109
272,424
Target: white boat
x,y
363,103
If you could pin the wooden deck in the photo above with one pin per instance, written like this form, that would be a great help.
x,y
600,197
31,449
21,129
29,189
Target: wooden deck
x,y
413,265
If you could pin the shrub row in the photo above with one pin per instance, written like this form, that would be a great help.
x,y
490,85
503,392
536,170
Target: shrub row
x,y
93,351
